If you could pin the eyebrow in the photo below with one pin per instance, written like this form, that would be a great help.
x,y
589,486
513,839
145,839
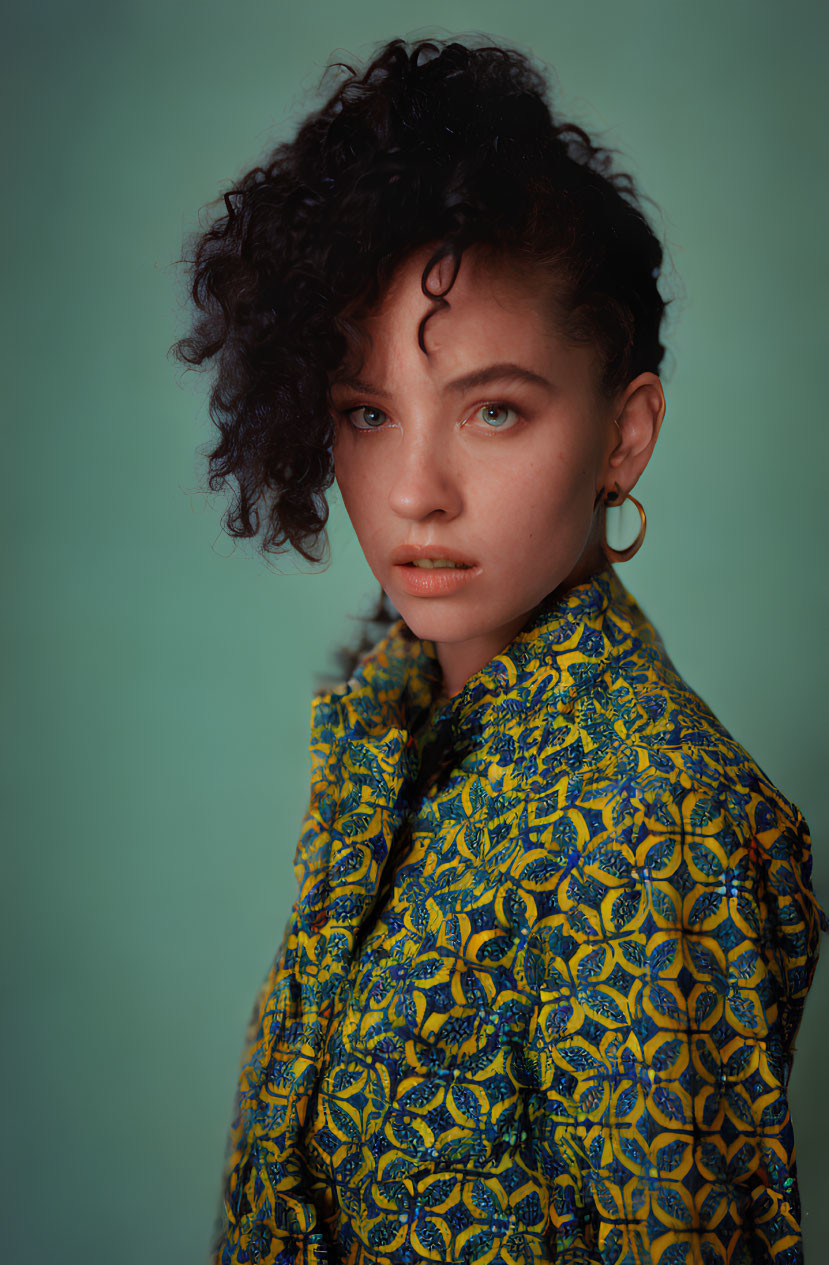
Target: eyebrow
x,y
479,377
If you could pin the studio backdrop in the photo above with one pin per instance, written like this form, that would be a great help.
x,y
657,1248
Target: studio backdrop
x,y
159,677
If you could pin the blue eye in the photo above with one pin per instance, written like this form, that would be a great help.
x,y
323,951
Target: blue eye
x,y
364,408
494,409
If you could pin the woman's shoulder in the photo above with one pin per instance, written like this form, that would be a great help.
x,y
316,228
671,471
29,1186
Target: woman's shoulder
x,y
676,751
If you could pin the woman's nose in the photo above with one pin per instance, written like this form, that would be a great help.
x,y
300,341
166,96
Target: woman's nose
x,y
423,480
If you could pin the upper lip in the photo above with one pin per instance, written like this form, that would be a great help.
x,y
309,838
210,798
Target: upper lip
x,y
409,553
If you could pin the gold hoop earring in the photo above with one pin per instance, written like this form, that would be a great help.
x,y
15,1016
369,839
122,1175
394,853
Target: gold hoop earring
x,y
613,498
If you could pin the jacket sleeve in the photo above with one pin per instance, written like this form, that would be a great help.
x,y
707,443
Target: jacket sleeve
x,y
674,974
260,1217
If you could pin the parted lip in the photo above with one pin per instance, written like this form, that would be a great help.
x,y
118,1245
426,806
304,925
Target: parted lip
x,y
409,553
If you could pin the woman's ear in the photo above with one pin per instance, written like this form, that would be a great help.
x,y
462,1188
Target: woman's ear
x,y
639,414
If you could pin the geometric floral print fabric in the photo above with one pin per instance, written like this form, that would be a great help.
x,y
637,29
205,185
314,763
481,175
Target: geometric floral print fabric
x,y
538,994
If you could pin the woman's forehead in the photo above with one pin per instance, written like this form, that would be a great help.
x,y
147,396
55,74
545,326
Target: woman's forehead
x,y
488,299
500,308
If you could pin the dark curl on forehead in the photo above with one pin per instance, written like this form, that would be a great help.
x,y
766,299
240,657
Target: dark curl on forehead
x,y
433,142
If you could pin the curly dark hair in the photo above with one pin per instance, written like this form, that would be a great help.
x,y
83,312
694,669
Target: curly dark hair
x,y
433,142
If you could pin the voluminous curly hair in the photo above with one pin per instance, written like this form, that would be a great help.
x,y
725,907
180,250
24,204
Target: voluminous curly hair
x,y
433,142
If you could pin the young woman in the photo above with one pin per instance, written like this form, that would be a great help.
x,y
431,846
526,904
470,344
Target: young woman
x,y
538,994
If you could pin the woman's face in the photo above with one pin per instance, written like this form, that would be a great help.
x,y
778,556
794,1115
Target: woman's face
x,y
458,450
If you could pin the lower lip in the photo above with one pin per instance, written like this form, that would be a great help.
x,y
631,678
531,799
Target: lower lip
x,y
434,581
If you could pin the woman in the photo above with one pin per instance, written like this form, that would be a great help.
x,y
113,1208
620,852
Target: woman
x,y
538,994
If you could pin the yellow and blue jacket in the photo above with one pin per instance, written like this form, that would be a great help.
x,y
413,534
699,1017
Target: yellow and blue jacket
x,y
538,994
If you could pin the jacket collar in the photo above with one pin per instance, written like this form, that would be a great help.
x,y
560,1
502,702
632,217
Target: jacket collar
x,y
559,651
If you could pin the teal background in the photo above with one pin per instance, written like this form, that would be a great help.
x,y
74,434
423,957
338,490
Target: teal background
x,y
158,680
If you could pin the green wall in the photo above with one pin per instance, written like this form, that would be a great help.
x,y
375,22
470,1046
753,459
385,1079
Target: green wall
x,y
159,680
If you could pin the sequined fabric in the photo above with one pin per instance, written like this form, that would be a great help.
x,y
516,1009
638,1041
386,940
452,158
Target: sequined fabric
x,y
537,998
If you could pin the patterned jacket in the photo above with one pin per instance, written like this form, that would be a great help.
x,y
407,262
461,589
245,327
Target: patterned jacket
x,y
539,990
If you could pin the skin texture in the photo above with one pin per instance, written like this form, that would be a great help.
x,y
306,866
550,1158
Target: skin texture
x,y
508,472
